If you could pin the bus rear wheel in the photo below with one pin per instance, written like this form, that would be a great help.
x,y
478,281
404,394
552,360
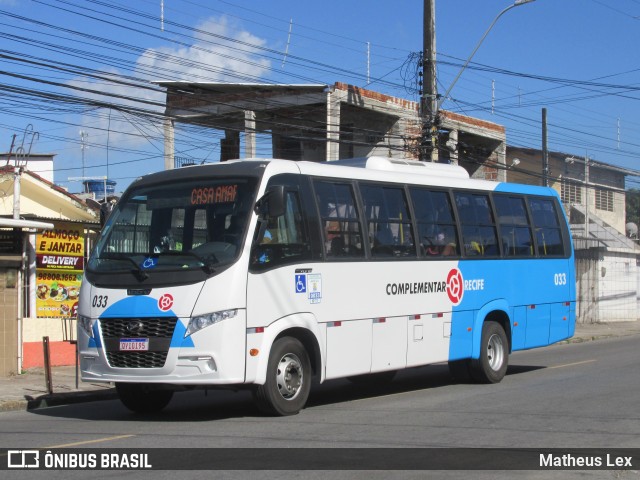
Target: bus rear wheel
x,y
288,379
491,367
143,398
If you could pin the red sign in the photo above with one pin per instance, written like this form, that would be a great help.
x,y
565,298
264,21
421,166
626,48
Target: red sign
x,y
455,286
211,195
165,302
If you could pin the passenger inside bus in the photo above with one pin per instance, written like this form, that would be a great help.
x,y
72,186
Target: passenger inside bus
x,y
443,244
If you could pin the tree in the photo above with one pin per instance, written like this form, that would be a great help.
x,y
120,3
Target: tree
x,y
633,206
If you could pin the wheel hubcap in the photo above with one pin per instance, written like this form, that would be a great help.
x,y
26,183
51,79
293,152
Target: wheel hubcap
x,y
495,352
289,376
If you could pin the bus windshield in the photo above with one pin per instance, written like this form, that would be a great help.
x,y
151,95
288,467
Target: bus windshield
x,y
183,226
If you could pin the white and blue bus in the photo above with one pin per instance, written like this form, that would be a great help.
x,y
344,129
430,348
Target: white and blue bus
x,y
263,274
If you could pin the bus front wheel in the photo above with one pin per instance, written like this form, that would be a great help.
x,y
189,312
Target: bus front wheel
x,y
288,379
143,398
491,367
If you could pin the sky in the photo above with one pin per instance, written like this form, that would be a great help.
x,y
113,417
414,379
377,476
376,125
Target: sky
x,y
71,66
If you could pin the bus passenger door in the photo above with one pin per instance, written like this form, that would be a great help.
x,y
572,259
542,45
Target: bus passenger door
x,y
279,265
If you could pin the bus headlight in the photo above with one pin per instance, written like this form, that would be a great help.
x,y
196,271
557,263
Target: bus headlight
x,y
86,324
208,319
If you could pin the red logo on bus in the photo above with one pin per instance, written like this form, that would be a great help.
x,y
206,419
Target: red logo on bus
x,y
165,302
455,286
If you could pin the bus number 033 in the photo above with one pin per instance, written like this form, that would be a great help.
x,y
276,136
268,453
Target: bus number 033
x,y
100,301
560,279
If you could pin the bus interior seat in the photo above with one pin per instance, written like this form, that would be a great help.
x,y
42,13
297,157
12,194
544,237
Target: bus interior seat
x,y
337,247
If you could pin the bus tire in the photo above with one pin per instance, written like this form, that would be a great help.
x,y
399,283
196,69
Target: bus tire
x,y
143,398
491,367
288,383
460,370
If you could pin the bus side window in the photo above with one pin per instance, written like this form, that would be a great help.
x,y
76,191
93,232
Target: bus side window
x,y
339,217
514,226
389,222
478,227
547,227
285,239
437,232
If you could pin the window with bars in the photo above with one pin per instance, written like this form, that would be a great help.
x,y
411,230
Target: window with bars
x,y
571,194
604,200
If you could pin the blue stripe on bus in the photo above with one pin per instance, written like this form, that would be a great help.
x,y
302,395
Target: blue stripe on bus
x,y
141,306
94,342
136,306
525,189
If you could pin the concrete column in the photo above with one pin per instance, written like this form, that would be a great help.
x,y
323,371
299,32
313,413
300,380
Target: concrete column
x,y
452,145
333,126
249,134
169,143
230,145
501,152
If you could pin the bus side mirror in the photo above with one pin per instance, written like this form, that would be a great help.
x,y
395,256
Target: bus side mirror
x,y
272,203
105,211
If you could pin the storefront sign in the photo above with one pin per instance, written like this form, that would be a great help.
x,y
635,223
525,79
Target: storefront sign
x,y
59,269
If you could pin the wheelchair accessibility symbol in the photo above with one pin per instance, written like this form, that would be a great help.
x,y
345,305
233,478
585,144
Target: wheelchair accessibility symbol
x,y
301,283
149,262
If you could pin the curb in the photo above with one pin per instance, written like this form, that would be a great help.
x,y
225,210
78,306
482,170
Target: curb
x,y
12,405
71,398
600,336
57,400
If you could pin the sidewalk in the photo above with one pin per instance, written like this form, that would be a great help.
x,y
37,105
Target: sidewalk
x,y
29,390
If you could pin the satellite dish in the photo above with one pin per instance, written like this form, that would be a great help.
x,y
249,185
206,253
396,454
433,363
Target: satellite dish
x,y
632,230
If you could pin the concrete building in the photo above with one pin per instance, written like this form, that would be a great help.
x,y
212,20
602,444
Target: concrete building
x,y
39,163
325,123
596,186
593,193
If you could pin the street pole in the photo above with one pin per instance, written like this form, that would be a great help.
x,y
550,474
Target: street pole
x,y
545,150
517,3
83,146
429,100
586,194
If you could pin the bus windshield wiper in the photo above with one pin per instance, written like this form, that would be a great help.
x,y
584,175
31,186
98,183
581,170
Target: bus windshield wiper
x,y
206,262
139,273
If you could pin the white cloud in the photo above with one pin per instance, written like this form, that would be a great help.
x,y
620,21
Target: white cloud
x,y
211,58
208,59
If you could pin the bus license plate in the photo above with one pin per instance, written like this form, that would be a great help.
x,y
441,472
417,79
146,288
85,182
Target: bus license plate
x,y
134,344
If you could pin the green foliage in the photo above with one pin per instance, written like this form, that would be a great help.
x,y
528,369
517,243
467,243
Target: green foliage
x,y
633,206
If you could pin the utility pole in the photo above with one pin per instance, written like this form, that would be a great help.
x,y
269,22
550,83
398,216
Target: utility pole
x,y
429,100
83,146
545,150
586,194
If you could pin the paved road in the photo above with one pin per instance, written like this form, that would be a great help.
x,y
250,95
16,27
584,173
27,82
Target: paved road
x,y
572,395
